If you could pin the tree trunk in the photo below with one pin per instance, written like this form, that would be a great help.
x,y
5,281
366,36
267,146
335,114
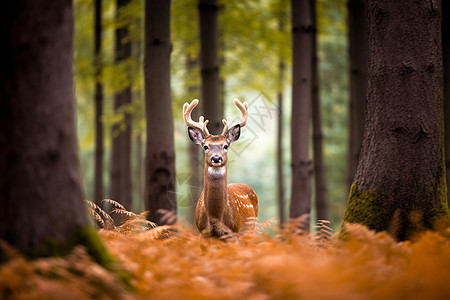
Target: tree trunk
x,y
120,183
400,181
280,131
209,62
139,171
41,207
446,61
319,165
194,151
160,197
301,108
280,175
357,49
98,172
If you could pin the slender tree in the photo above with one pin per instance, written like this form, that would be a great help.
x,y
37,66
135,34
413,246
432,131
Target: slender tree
x,y
209,64
446,62
120,183
160,154
301,107
41,207
400,181
282,11
319,165
194,155
140,169
98,172
357,49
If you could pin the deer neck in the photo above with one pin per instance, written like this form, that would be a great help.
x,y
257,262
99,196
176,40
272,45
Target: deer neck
x,y
215,190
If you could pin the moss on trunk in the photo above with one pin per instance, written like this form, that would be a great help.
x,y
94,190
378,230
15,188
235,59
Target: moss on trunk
x,y
367,209
86,236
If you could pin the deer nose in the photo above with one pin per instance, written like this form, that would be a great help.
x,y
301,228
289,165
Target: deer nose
x,y
216,159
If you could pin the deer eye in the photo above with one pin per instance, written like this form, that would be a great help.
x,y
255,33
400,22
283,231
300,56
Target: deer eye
x,y
205,147
225,147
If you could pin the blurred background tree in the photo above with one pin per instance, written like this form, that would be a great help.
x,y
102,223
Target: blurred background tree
x,y
160,198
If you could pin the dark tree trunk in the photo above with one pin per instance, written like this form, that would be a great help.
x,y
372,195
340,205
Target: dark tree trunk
x,y
301,108
160,197
400,181
357,49
209,63
140,170
98,172
221,50
120,183
280,132
41,207
446,61
319,165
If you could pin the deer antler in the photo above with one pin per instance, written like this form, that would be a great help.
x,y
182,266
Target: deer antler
x,y
244,111
201,125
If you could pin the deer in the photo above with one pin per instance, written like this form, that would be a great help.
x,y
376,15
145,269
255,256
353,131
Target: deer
x,y
223,211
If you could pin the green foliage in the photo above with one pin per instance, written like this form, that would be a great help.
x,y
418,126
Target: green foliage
x,y
252,44
185,56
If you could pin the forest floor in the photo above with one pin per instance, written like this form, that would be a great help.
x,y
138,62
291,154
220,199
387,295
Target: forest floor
x,y
166,264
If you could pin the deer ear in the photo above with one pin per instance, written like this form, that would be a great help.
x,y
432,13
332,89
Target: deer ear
x,y
196,135
234,133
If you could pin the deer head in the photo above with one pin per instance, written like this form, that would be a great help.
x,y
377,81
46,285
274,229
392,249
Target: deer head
x,y
215,146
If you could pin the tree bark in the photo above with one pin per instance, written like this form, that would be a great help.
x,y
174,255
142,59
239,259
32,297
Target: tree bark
x,y
301,107
139,171
280,132
357,53
446,62
120,183
160,197
319,165
400,182
98,171
209,63
41,208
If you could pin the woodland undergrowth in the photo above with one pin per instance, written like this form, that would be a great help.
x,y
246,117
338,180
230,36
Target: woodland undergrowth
x,y
172,262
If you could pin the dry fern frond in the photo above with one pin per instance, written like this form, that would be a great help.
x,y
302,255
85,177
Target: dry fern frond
x,y
100,215
297,226
271,223
324,232
161,232
105,215
123,212
91,208
137,223
114,203
167,216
